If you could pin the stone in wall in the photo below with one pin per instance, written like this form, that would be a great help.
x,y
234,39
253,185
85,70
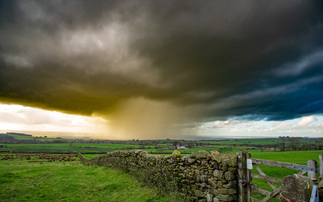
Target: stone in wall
x,y
297,188
200,176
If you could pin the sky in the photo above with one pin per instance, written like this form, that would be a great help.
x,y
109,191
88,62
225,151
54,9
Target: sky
x,y
144,69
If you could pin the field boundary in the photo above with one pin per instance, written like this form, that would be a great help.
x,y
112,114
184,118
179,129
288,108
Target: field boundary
x,y
200,176
206,176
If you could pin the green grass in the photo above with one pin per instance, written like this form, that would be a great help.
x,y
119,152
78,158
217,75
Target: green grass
x,y
46,148
89,156
55,181
56,148
110,146
298,157
103,148
67,148
258,141
21,180
22,137
221,149
261,141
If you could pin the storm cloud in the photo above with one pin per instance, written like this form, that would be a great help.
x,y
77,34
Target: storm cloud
x,y
209,60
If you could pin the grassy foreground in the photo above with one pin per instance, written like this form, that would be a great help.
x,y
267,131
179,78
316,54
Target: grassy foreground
x,y
71,181
21,180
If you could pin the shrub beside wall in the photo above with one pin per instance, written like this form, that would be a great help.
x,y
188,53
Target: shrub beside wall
x,y
201,176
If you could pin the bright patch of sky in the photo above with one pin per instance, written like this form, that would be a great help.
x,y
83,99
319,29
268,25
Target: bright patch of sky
x,y
21,118
307,126
17,117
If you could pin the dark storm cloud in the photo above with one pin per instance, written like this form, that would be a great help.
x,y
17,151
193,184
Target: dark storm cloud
x,y
254,59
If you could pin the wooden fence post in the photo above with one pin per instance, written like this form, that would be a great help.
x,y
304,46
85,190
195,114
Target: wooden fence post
x,y
244,177
321,165
312,164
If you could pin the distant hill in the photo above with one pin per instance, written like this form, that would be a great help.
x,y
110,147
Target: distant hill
x,y
21,134
5,138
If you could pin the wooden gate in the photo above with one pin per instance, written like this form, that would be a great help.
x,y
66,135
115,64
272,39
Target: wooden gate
x,y
245,176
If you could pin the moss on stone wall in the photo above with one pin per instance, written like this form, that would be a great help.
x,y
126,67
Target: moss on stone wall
x,y
201,176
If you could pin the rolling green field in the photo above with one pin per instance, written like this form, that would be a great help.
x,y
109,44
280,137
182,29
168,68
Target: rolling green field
x,y
103,148
21,137
71,181
245,141
298,157
51,148
256,141
17,170
103,145
22,143
66,148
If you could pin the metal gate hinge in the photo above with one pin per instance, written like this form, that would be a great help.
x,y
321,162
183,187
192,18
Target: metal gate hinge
x,y
306,168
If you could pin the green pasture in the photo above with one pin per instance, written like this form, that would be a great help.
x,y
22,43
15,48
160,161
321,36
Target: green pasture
x,y
36,178
261,141
70,148
67,148
50,148
109,146
57,181
32,138
89,156
20,137
220,148
103,148
298,157
257,141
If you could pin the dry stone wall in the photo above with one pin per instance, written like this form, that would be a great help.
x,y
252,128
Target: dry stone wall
x,y
201,176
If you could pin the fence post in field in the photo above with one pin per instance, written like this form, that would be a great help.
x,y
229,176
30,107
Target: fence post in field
x,y
312,164
244,177
321,165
